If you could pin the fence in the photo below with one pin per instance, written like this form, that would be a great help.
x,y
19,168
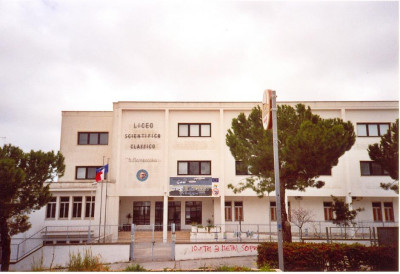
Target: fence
x,y
149,242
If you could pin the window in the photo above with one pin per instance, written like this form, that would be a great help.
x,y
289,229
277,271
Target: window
x,y
194,167
87,172
328,211
369,168
141,213
388,210
193,212
239,211
241,168
272,210
89,206
228,211
51,208
377,211
64,207
372,129
92,138
194,130
77,207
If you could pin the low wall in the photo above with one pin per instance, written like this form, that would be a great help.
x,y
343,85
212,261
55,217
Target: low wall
x,y
188,251
58,255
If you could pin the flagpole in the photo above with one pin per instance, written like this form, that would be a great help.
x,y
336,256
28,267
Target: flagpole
x,y
105,206
101,203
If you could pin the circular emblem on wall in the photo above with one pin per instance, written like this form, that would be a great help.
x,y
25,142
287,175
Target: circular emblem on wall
x,y
142,175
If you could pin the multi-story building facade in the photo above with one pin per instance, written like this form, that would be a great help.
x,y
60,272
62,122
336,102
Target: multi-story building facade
x,y
169,163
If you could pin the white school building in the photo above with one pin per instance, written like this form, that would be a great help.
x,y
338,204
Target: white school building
x,y
169,163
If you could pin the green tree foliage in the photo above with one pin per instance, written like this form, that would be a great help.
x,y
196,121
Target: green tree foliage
x,y
24,187
387,155
344,216
308,146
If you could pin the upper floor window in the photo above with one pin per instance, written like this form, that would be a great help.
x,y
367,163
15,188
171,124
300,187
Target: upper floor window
x,y
241,168
228,211
370,168
51,208
87,172
194,130
328,211
194,167
92,138
377,211
64,207
372,129
238,211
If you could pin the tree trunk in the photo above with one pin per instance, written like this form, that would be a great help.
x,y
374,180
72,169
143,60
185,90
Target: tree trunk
x,y
5,245
286,227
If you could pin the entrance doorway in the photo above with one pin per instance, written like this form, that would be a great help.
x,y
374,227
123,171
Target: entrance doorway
x,y
174,215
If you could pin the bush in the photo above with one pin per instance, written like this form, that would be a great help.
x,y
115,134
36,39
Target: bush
x,y
88,263
329,257
135,268
232,269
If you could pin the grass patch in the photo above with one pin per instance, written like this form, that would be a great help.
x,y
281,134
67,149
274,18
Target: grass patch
x,y
135,268
87,263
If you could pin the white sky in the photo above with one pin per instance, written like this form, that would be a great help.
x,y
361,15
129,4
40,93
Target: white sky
x,y
84,55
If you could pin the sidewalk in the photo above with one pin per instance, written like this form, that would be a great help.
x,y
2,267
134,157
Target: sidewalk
x,y
248,261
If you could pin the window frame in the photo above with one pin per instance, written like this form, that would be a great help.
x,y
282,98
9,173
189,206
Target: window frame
x,y
377,211
238,207
64,208
200,130
272,212
86,173
51,208
90,200
370,163
388,211
380,134
88,138
77,207
198,209
328,211
189,170
228,211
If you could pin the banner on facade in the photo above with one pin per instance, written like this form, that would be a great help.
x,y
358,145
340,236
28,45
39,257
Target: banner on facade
x,y
190,186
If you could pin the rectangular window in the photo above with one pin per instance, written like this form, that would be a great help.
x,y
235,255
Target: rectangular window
x,y
228,211
377,211
388,210
241,168
372,129
141,213
77,207
64,207
194,130
92,138
239,211
328,211
370,168
272,211
193,212
89,206
87,172
194,167
51,208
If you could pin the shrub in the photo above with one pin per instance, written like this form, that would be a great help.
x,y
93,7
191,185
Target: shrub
x,y
87,263
225,268
329,257
135,268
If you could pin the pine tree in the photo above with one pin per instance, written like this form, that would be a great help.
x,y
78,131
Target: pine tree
x,y
387,155
308,146
24,186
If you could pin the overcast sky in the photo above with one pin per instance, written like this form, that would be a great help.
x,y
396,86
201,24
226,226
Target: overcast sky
x,y
84,55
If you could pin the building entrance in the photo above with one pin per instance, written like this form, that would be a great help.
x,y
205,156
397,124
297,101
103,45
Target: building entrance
x,y
174,215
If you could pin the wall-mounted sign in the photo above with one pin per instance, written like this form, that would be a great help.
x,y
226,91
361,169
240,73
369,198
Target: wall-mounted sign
x,y
190,186
142,175
215,190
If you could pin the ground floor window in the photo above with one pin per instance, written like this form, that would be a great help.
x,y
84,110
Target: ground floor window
x,y
272,210
193,212
388,209
328,211
51,208
377,211
141,213
64,207
89,206
239,211
228,211
77,207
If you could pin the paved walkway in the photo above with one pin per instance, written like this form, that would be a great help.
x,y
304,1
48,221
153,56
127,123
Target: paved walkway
x,y
248,261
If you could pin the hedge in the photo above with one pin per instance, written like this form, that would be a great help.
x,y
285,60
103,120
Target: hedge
x,y
329,257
